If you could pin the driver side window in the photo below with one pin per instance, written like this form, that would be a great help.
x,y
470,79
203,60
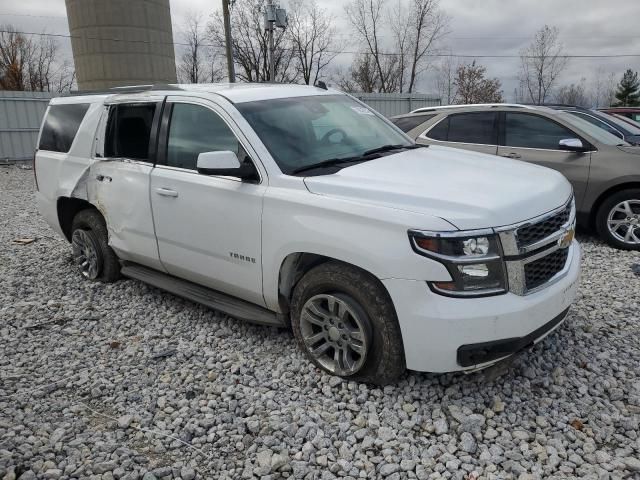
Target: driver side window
x,y
194,129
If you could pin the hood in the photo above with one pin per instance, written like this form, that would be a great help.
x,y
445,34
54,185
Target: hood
x,y
632,149
470,190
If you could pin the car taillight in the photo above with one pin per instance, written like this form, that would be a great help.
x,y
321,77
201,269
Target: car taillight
x,y
35,174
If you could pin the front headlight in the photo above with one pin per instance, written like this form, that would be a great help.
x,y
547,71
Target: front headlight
x,y
474,260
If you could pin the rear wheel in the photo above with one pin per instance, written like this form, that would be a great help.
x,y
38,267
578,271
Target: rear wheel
x,y
91,252
344,321
618,220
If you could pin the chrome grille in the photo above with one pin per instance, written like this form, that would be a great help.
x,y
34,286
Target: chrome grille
x,y
540,271
532,250
533,233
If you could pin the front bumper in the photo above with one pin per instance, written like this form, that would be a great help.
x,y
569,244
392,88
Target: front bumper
x,y
443,334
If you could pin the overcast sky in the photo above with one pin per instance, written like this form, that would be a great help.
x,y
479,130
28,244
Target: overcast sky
x,y
493,27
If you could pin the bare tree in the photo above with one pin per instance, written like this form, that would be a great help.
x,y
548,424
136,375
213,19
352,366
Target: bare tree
x,y
473,87
311,34
429,24
28,64
574,94
445,80
414,26
362,75
250,43
200,61
542,62
366,16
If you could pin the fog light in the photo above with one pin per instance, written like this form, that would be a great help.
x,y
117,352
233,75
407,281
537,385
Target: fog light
x,y
479,270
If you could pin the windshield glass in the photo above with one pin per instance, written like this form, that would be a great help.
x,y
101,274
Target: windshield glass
x,y
627,127
597,133
303,131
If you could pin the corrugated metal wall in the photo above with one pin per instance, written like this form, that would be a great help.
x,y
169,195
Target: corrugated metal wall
x,y
390,104
20,117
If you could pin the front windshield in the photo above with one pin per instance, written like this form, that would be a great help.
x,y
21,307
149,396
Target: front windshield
x,y
303,131
597,133
627,127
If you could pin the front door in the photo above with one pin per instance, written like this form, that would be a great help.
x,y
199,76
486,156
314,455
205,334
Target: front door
x,y
208,228
534,138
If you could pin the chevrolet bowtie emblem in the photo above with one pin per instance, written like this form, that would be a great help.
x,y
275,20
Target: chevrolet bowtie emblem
x,y
567,238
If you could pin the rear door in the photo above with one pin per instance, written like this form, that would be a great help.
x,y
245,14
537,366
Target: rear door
x,y
120,176
477,131
535,138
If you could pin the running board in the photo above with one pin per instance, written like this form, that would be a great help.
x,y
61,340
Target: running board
x,y
210,298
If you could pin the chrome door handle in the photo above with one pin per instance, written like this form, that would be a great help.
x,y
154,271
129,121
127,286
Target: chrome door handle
x,y
165,192
512,155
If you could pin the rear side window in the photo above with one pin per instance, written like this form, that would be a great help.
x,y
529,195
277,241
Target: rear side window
x,y
129,130
533,131
476,127
61,125
407,124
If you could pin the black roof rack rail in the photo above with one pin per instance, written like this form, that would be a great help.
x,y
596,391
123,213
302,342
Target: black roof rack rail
x,y
127,89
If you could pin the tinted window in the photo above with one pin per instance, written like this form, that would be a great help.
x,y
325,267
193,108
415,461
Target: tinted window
x,y
193,130
440,131
473,128
409,123
597,123
533,131
476,127
129,130
61,125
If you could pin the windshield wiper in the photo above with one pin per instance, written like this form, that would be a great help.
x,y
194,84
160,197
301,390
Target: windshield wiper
x,y
328,163
359,158
388,148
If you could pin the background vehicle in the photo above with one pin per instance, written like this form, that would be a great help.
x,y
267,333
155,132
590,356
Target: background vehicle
x,y
295,205
631,112
610,123
603,169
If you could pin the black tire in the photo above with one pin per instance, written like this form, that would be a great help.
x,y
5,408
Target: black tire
x,y
384,361
92,223
632,194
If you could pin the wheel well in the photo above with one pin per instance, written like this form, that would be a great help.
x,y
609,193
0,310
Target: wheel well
x,y
68,208
603,196
292,269
295,266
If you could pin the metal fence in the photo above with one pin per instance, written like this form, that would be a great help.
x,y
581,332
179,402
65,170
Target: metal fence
x,y
390,104
20,117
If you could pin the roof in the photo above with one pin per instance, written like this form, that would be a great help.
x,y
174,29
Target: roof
x,y
234,92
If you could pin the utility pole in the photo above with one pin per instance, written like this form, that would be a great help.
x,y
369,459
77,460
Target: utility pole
x,y
274,16
227,36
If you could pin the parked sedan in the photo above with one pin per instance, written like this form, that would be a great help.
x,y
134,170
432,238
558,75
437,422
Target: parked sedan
x,y
610,123
603,169
631,112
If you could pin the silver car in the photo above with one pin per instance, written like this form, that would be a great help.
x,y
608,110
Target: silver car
x,y
604,170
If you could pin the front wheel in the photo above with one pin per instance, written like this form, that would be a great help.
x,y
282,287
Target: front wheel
x,y
618,220
344,321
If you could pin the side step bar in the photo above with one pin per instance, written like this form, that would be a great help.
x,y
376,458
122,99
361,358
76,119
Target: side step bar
x,y
218,301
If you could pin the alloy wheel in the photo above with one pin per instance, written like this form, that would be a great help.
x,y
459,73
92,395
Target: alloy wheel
x,y
336,333
623,222
85,254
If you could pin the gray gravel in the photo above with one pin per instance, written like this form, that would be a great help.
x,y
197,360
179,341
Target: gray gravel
x,y
124,381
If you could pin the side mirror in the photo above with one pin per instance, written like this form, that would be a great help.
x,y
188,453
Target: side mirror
x,y
225,164
571,145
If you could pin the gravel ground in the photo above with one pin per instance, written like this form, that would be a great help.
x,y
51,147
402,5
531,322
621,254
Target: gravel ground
x,y
125,381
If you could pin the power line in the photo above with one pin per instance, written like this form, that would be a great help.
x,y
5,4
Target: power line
x,y
337,52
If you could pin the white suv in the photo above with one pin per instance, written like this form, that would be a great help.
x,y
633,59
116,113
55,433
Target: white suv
x,y
300,206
